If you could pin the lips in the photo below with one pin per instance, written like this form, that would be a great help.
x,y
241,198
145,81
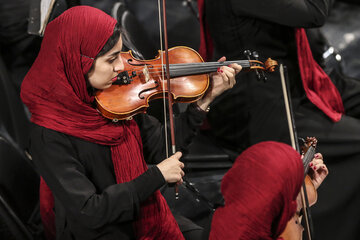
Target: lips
x,y
114,79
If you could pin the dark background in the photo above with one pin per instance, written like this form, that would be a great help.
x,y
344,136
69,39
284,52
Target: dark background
x,y
206,162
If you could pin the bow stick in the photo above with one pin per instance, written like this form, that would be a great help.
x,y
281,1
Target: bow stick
x,y
199,197
295,145
169,95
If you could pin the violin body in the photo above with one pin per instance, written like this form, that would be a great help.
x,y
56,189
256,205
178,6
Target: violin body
x,y
294,229
144,81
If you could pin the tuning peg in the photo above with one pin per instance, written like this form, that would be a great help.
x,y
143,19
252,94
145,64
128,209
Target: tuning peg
x,y
255,55
247,53
263,76
302,140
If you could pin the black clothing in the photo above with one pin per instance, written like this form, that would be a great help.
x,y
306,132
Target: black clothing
x,y
236,26
17,47
18,51
254,111
88,202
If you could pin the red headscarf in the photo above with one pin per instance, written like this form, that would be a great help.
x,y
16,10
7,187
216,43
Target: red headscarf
x,y
260,193
56,94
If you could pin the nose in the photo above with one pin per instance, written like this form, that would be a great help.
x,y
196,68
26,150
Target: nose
x,y
119,65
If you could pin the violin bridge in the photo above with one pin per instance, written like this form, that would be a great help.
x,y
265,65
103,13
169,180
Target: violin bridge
x,y
146,73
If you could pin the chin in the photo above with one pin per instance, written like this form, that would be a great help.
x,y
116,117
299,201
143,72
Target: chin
x,y
107,86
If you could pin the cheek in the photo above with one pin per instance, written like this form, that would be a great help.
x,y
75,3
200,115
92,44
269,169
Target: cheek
x,y
105,71
101,74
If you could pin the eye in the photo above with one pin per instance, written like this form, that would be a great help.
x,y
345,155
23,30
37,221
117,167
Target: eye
x,y
111,60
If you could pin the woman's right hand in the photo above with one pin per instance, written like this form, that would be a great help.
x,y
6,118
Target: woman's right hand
x,y
171,168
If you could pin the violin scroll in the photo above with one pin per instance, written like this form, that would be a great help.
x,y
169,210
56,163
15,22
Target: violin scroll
x,y
308,142
256,65
270,65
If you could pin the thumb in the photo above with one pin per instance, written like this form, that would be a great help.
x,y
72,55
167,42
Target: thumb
x,y
177,155
222,59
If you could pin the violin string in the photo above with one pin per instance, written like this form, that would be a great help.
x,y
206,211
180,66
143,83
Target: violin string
x,y
197,64
307,158
186,67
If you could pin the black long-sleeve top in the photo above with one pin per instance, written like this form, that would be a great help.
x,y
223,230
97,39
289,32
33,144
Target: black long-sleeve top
x,y
88,202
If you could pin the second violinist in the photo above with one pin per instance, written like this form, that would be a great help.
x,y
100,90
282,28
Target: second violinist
x,y
95,180
261,193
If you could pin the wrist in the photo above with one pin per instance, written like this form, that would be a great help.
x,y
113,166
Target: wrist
x,y
202,106
160,172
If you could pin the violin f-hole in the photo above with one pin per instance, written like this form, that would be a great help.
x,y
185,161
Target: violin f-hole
x,y
129,61
148,89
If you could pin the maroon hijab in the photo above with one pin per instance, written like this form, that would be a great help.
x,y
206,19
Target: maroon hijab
x,y
55,92
260,193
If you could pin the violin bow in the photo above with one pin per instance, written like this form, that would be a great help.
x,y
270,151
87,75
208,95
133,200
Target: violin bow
x,y
199,197
295,145
167,73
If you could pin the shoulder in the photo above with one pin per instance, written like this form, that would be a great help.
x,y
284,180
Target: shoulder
x,y
42,134
43,139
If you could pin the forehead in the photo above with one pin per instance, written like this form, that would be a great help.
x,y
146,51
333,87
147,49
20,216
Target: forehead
x,y
117,47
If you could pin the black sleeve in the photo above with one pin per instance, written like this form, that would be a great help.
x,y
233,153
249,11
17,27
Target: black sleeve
x,y
356,2
153,135
293,13
57,162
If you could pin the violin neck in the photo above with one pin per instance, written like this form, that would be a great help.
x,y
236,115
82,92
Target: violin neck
x,y
309,155
187,69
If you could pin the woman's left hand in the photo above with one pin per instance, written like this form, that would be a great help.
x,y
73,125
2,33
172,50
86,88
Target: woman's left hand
x,y
221,81
318,170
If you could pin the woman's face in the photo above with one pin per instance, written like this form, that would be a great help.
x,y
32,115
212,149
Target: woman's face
x,y
106,68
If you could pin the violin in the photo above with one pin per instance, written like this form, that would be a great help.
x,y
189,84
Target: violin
x,y
144,80
293,229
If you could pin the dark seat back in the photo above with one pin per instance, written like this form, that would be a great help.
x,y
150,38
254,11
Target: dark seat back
x,y
19,183
12,113
136,38
19,191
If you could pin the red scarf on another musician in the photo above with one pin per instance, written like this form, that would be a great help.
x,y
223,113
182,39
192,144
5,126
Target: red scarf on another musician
x,y
55,91
319,88
260,193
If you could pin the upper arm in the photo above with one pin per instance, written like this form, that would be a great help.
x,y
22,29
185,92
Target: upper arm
x,y
57,162
153,138
293,13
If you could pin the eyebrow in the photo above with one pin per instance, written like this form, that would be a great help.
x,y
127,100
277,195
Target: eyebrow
x,y
114,54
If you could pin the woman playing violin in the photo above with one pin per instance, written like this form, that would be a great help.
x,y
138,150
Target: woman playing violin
x,y
261,193
95,180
